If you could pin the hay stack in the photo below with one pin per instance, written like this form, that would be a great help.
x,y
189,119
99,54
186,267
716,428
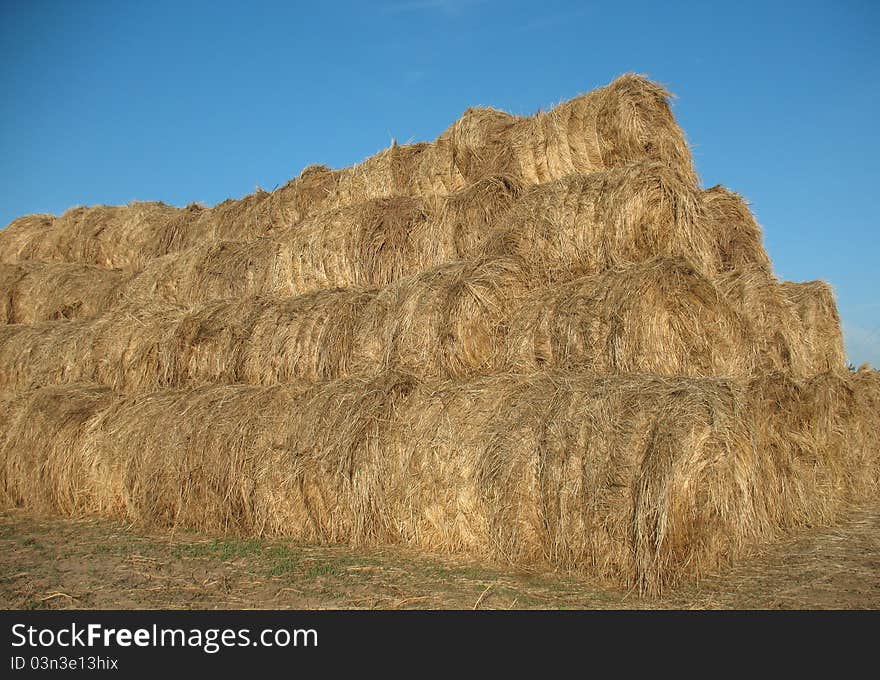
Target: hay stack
x,y
48,353
796,324
22,235
626,121
46,466
366,244
127,237
412,335
866,384
586,224
772,317
133,347
578,225
31,292
370,244
447,321
823,459
215,270
377,242
313,337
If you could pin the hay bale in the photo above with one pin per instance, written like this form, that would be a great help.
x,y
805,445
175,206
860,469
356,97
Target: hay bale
x,y
739,239
127,237
48,353
392,172
661,317
584,224
312,337
866,384
133,348
819,326
118,237
371,244
20,235
31,292
256,215
448,321
45,465
773,319
214,270
796,325
821,457
380,241
476,146
467,218
149,346
367,244
638,479
626,121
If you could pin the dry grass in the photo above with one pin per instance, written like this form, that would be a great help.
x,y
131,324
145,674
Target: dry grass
x,y
583,224
121,237
628,120
447,321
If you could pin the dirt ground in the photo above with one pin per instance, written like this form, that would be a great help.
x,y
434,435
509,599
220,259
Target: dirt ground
x,y
64,563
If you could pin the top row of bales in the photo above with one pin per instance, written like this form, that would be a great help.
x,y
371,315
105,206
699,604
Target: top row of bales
x,y
626,121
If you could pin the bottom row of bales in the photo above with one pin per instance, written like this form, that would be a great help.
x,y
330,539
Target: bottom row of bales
x,y
636,479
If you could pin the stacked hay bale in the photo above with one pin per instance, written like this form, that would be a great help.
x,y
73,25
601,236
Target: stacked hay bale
x,y
534,340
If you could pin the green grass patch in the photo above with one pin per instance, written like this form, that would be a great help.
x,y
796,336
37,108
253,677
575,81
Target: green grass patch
x,y
219,549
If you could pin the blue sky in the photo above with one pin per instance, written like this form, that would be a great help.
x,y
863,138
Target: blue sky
x,y
106,102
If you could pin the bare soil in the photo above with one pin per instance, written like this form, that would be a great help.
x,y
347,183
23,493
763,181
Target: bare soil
x,y
48,563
